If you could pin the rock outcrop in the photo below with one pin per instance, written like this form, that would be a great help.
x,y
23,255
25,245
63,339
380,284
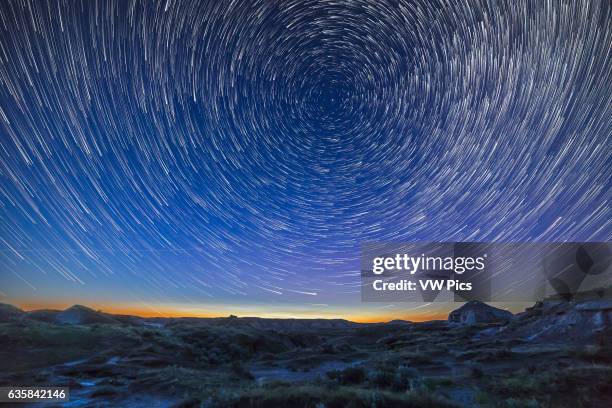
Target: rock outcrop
x,y
475,312
565,322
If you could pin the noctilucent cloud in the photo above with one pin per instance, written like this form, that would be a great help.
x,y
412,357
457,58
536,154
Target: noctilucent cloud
x,y
240,152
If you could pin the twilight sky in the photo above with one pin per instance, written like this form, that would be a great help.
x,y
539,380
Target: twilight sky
x,y
213,157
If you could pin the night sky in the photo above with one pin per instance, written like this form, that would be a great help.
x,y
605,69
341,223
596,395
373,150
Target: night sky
x,y
222,156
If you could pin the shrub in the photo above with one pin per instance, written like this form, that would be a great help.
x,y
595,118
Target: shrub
x,y
476,372
404,376
433,383
241,372
348,376
382,377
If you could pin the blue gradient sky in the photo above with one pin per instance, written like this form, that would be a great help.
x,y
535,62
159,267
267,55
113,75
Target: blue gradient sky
x,y
213,157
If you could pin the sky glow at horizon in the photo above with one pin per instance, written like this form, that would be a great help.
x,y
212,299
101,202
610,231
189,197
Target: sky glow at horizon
x,y
205,153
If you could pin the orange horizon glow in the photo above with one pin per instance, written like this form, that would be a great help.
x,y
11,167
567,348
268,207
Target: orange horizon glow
x,y
149,311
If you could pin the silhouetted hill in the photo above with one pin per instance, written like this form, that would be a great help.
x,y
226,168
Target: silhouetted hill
x,y
79,314
9,312
43,315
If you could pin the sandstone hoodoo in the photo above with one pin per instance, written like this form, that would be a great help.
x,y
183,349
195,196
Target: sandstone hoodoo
x,y
475,312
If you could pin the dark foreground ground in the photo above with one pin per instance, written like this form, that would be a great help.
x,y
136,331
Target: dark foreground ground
x,y
554,355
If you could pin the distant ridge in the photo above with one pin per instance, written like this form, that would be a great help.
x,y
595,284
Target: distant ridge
x,y
551,320
79,314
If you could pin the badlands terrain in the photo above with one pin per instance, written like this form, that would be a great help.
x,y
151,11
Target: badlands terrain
x,y
555,354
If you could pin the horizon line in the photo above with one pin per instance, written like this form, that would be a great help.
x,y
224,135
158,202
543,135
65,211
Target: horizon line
x,y
177,313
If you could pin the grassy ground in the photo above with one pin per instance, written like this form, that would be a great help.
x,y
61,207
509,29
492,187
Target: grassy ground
x,y
206,364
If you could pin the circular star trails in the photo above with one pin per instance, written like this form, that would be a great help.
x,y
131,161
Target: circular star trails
x,y
247,148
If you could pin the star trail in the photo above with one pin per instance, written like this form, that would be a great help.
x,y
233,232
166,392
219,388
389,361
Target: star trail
x,y
242,151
